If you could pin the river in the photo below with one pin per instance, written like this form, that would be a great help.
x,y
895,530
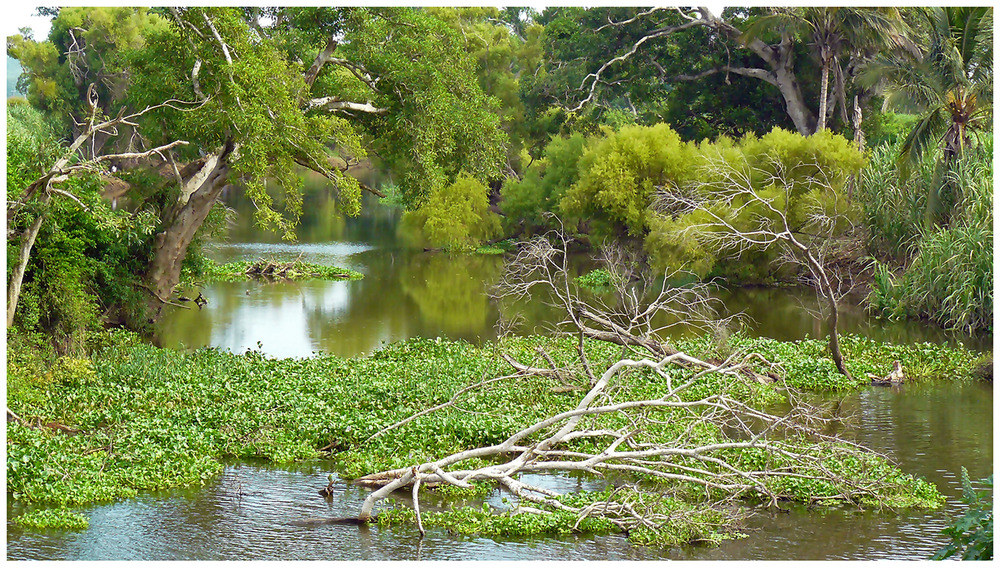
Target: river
x,y
246,513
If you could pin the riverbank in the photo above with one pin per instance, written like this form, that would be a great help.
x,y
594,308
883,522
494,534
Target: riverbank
x,y
136,418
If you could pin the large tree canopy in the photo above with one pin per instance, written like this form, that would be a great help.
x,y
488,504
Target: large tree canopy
x,y
782,58
258,93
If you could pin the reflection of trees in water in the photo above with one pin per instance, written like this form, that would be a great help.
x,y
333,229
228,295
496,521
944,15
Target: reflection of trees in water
x,y
450,290
374,312
191,328
321,220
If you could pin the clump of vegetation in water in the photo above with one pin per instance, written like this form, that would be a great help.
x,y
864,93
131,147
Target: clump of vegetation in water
x,y
59,518
596,280
498,248
274,270
679,522
972,534
141,418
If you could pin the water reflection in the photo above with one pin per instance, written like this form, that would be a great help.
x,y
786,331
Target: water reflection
x,y
250,513
407,293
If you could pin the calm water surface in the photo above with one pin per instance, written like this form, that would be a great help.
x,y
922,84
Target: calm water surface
x,y
247,513
407,293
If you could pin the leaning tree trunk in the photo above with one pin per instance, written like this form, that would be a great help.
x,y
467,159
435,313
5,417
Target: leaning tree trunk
x,y
833,319
181,223
17,277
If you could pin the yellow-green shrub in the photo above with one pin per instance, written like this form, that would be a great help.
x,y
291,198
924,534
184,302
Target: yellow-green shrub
x,y
456,216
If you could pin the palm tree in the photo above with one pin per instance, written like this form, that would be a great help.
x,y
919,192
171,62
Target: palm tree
x,y
834,34
950,86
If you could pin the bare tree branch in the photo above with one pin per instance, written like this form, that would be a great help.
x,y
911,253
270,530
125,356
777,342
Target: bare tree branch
x,y
335,104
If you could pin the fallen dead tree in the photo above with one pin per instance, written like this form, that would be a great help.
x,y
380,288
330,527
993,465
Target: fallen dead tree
x,y
691,428
549,446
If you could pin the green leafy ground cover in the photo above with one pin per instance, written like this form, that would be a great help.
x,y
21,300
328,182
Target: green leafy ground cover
x,y
150,418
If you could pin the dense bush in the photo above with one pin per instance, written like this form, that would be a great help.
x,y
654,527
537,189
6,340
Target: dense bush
x,y
816,170
620,174
611,183
83,268
887,128
457,216
892,211
526,201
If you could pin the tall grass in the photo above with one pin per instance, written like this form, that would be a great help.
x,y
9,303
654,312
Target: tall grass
x,y
891,208
949,278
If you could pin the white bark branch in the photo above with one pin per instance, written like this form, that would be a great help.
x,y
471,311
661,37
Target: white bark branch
x,y
334,104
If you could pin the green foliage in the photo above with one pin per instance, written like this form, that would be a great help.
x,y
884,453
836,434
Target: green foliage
x,y
892,209
618,176
950,281
883,128
456,216
60,518
431,118
444,124
972,534
949,86
814,171
82,269
498,248
107,32
526,201
210,271
597,280
949,276
501,59
578,41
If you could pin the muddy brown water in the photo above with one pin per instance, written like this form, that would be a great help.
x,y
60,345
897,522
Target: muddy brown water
x,y
249,511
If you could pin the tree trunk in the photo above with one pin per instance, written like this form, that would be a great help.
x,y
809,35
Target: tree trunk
x,y
832,321
788,85
181,223
14,287
824,79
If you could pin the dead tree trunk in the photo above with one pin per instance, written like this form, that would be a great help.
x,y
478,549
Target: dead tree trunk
x,y
824,287
181,222
806,247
